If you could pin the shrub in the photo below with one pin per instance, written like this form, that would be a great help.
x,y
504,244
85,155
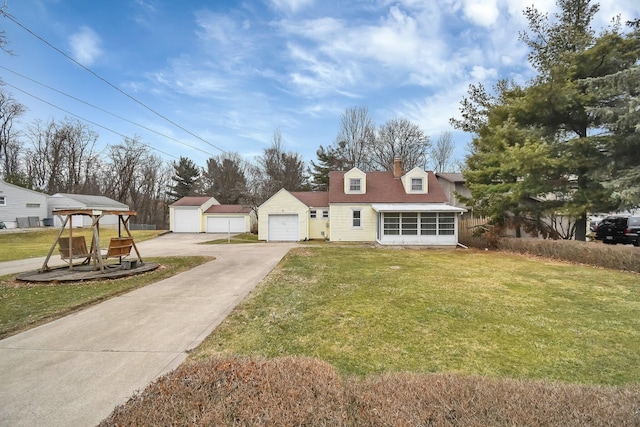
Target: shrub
x,y
591,253
292,391
300,391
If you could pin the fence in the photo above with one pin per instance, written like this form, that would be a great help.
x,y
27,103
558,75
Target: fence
x,y
28,222
142,226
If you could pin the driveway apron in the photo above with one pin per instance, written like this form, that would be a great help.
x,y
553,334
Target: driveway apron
x,y
75,370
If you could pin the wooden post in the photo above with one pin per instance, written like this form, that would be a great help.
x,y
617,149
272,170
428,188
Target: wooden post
x,y
45,267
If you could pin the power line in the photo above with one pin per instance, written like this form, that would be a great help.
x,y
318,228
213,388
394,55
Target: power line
x,y
104,111
11,18
88,121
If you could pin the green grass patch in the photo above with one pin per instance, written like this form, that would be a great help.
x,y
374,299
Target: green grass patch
x,y
25,305
235,239
37,243
372,311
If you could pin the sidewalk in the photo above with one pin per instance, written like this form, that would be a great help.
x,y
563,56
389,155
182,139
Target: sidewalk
x,y
75,370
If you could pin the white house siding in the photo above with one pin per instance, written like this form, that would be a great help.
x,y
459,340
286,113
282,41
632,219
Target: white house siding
x,y
420,238
319,226
283,203
341,225
21,203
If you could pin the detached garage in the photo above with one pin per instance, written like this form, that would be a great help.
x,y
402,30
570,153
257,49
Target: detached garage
x,y
228,219
185,215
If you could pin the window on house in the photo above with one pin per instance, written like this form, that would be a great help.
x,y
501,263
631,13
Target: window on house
x,y
416,184
312,213
409,224
3,201
325,214
33,205
391,224
356,218
428,224
446,224
354,184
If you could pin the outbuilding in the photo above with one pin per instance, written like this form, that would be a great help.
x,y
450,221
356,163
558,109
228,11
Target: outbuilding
x,y
67,201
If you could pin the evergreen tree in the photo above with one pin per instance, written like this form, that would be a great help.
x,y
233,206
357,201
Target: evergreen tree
x,y
329,159
186,179
224,178
554,120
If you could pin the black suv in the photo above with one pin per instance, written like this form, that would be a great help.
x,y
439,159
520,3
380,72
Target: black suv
x,y
619,229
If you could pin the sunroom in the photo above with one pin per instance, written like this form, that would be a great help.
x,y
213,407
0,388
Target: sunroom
x,y
430,224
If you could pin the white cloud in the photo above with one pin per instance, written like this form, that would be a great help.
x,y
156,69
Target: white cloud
x,y
481,12
85,46
292,6
481,74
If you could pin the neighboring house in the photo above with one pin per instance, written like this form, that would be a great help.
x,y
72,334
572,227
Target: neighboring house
x,y
21,207
204,214
66,201
453,184
394,208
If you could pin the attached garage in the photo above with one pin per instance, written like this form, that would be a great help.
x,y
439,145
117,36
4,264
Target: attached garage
x,y
228,224
283,228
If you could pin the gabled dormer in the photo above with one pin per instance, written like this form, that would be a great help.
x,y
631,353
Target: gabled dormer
x,y
416,181
355,182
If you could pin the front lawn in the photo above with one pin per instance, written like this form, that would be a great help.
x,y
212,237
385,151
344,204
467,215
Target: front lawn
x,y
468,312
25,305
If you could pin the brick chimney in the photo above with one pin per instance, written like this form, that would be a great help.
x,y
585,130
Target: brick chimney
x,y
397,167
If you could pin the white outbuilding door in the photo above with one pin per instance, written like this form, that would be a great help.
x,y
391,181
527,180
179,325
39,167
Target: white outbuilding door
x,y
284,228
186,221
230,224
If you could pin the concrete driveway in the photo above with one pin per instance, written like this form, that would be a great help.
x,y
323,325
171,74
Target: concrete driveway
x,y
75,370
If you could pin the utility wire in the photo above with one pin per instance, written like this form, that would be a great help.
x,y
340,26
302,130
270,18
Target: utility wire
x,y
105,111
89,121
11,18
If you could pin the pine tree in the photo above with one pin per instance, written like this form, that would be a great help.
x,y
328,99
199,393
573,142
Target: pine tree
x,y
186,178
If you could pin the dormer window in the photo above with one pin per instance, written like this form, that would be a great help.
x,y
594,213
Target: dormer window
x,y
416,184
355,185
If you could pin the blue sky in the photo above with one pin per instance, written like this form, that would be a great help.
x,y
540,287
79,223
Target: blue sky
x,y
231,72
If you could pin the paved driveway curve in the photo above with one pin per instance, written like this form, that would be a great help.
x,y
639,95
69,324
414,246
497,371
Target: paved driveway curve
x,y
73,371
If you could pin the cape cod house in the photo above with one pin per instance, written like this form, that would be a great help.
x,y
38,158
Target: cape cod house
x,y
390,208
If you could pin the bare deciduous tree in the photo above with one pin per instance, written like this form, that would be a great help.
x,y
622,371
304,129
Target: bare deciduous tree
x,y
356,136
399,138
62,156
441,154
275,169
10,146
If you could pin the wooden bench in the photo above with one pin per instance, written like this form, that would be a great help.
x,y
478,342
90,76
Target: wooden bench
x,y
78,248
119,247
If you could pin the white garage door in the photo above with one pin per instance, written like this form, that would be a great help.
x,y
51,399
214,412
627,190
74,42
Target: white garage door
x,y
231,224
186,221
284,228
